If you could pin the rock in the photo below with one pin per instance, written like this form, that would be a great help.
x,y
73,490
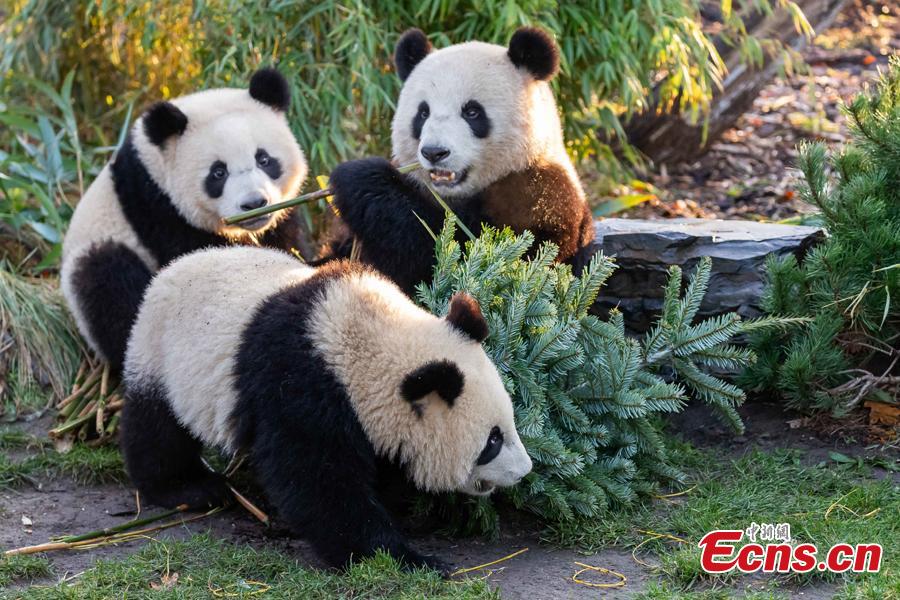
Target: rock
x,y
644,250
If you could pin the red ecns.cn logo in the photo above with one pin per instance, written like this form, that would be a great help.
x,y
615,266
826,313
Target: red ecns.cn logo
x,y
718,554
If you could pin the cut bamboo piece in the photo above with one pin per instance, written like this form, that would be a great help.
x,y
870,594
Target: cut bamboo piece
x,y
310,197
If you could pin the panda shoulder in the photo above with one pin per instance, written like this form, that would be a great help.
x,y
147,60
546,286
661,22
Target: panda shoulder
x,y
522,197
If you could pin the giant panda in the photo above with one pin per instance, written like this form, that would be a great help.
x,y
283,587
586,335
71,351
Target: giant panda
x,y
322,376
481,119
184,166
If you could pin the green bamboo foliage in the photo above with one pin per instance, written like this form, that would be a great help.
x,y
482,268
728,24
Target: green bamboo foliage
x,y
586,394
337,56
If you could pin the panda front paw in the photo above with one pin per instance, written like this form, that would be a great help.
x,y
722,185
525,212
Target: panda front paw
x,y
413,560
358,183
205,492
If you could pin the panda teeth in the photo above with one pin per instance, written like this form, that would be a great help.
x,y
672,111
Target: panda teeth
x,y
439,176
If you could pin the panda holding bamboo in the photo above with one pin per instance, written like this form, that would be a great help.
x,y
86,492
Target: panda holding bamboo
x,y
482,121
185,165
320,376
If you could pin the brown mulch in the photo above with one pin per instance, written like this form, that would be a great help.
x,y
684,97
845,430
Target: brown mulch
x,y
748,173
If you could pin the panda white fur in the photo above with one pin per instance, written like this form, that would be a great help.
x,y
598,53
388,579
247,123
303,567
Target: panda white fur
x,y
482,120
320,375
184,166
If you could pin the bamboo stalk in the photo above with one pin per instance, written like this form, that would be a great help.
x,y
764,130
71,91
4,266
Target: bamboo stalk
x,y
102,540
122,526
85,429
89,408
38,548
101,416
78,376
113,423
309,197
104,381
58,431
251,508
74,409
77,395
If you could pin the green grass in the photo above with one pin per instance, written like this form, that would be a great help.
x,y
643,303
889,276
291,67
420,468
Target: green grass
x,y
781,486
777,487
204,564
22,569
12,437
83,464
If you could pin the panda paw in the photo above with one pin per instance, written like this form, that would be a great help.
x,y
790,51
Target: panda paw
x,y
358,183
208,491
414,560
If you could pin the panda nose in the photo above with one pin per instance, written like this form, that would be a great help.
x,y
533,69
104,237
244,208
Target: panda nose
x,y
435,154
254,203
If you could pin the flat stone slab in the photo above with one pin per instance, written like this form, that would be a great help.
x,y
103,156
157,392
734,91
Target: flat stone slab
x,y
644,250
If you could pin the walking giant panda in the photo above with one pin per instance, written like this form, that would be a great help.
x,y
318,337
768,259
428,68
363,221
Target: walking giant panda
x,y
482,121
185,165
320,375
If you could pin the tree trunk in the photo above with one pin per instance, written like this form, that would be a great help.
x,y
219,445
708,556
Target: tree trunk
x,y
668,138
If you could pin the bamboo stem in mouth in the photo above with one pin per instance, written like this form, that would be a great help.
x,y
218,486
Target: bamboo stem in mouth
x,y
310,197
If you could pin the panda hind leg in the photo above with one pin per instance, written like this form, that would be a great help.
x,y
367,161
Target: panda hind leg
x,y
110,280
162,458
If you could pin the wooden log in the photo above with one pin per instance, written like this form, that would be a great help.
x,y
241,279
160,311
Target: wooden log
x,y
668,138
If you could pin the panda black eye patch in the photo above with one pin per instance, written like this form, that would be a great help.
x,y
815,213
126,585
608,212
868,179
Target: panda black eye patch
x,y
492,447
215,179
268,163
418,121
475,115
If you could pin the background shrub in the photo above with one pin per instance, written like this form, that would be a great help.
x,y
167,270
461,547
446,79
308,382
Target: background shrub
x,y
850,284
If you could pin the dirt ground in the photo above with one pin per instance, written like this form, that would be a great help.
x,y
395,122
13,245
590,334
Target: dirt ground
x,y
749,173
60,506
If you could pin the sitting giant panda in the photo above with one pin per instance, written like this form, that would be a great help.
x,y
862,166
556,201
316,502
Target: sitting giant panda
x,y
482,121
185,165
321,376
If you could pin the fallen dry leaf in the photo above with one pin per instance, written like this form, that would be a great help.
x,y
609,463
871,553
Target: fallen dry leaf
x,y
881,413
166,582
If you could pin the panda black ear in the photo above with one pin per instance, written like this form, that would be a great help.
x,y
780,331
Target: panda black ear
x,y
162,121
441,376
271,88
535,50
465,315
411,48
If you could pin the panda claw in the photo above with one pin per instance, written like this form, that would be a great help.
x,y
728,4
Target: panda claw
x,y
413,560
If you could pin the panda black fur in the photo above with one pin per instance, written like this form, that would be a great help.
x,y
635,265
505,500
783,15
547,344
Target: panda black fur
x,y
482,120
321,376
185,165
